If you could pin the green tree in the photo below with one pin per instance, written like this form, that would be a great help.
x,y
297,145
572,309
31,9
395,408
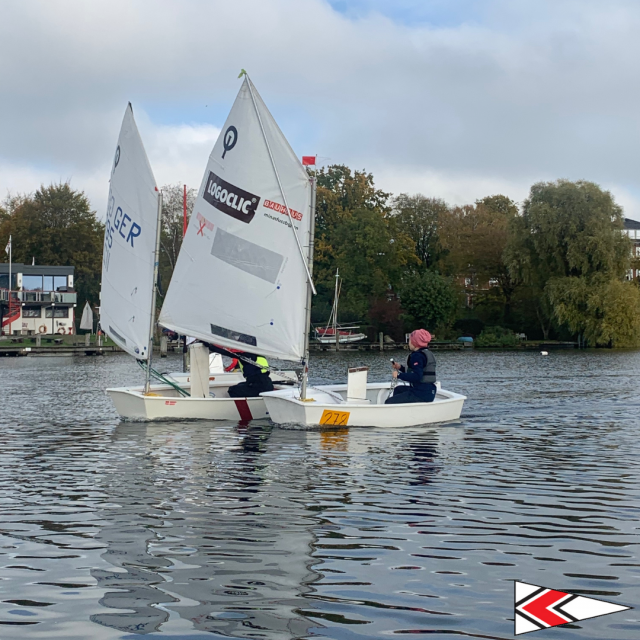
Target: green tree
x,y
428,300
567,230
419,217
371,255
56,226
355,233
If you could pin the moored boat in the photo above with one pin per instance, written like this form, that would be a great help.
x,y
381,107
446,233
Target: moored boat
x,y
345,335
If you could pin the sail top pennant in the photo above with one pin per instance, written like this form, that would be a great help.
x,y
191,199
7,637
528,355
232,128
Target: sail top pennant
x,y
540,608
240,280
129,244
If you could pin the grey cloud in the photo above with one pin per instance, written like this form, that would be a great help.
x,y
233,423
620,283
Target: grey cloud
x,y
537,90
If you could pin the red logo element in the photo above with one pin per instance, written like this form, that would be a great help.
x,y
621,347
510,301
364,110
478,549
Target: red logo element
x,y
204,224
170,402
540,608
280,208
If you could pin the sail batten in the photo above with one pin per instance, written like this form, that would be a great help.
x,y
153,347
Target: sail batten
x,y
238,280
129,243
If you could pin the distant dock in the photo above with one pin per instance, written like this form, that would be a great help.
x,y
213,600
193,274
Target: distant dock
x,y
54,345
383,346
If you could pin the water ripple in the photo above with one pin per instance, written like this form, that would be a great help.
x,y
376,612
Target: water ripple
x,y
201,530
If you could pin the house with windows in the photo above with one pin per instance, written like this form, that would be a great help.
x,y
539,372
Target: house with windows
x,y
632,229
39,299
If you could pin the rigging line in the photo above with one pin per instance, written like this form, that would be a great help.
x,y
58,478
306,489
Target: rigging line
x,y
284,197
335,396
162,378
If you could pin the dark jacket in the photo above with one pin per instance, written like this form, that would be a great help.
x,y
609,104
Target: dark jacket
x,y
421,374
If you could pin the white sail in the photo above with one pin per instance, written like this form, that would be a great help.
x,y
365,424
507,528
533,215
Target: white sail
x,y
240,278
129,243
86,323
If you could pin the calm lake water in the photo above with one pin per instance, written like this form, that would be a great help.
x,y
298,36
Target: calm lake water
x,y
111,530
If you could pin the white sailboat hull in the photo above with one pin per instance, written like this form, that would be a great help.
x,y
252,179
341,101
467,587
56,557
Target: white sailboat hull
x,y
165,403
330,407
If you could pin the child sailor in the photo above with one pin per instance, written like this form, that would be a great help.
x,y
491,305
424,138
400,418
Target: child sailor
x,y
420,372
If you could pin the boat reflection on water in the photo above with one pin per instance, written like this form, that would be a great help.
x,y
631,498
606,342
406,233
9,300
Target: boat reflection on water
x,y
201,527
230,529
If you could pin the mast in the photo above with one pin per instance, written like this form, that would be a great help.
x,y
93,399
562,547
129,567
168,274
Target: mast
x,y
335,313
310,291
10,310
156,262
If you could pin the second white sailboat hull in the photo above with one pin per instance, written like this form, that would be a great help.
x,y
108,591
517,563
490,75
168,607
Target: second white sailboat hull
x,y
329,407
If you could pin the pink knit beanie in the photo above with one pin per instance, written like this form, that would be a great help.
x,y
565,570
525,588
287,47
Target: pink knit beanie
x,y
420,338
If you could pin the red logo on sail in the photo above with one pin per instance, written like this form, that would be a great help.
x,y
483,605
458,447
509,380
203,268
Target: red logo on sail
x,y
203,224
280,208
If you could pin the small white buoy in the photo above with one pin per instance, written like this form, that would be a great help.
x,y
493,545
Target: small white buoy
x,y
544,353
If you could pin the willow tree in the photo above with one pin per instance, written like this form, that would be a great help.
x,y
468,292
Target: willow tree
x,y
566,246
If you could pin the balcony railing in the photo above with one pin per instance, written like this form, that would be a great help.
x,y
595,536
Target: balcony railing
x,y
58,297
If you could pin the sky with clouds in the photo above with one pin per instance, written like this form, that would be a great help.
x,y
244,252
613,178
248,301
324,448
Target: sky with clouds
x,y
455,99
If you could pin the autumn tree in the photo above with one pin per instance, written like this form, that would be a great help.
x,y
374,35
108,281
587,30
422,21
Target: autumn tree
x,y
473,240
419,217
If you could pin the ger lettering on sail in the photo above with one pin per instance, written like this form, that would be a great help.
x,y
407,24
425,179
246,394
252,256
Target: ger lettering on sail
x,y
129,245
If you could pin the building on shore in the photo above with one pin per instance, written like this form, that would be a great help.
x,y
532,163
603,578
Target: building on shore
x,y
632,229
39,299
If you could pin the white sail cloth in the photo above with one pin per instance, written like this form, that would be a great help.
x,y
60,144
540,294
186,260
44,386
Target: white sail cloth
x,y
240,278
129,244
86,323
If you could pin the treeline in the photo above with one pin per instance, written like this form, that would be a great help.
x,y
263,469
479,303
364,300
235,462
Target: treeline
x,y
56,226
553,268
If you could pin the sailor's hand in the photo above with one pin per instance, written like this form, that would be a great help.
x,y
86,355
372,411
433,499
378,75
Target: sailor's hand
x,y
396,366
394,374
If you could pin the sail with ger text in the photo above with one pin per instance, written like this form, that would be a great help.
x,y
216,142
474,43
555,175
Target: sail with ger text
x,y
129,244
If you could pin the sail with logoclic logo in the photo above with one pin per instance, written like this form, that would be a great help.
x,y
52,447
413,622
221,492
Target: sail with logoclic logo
x,y
130,240
240,280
